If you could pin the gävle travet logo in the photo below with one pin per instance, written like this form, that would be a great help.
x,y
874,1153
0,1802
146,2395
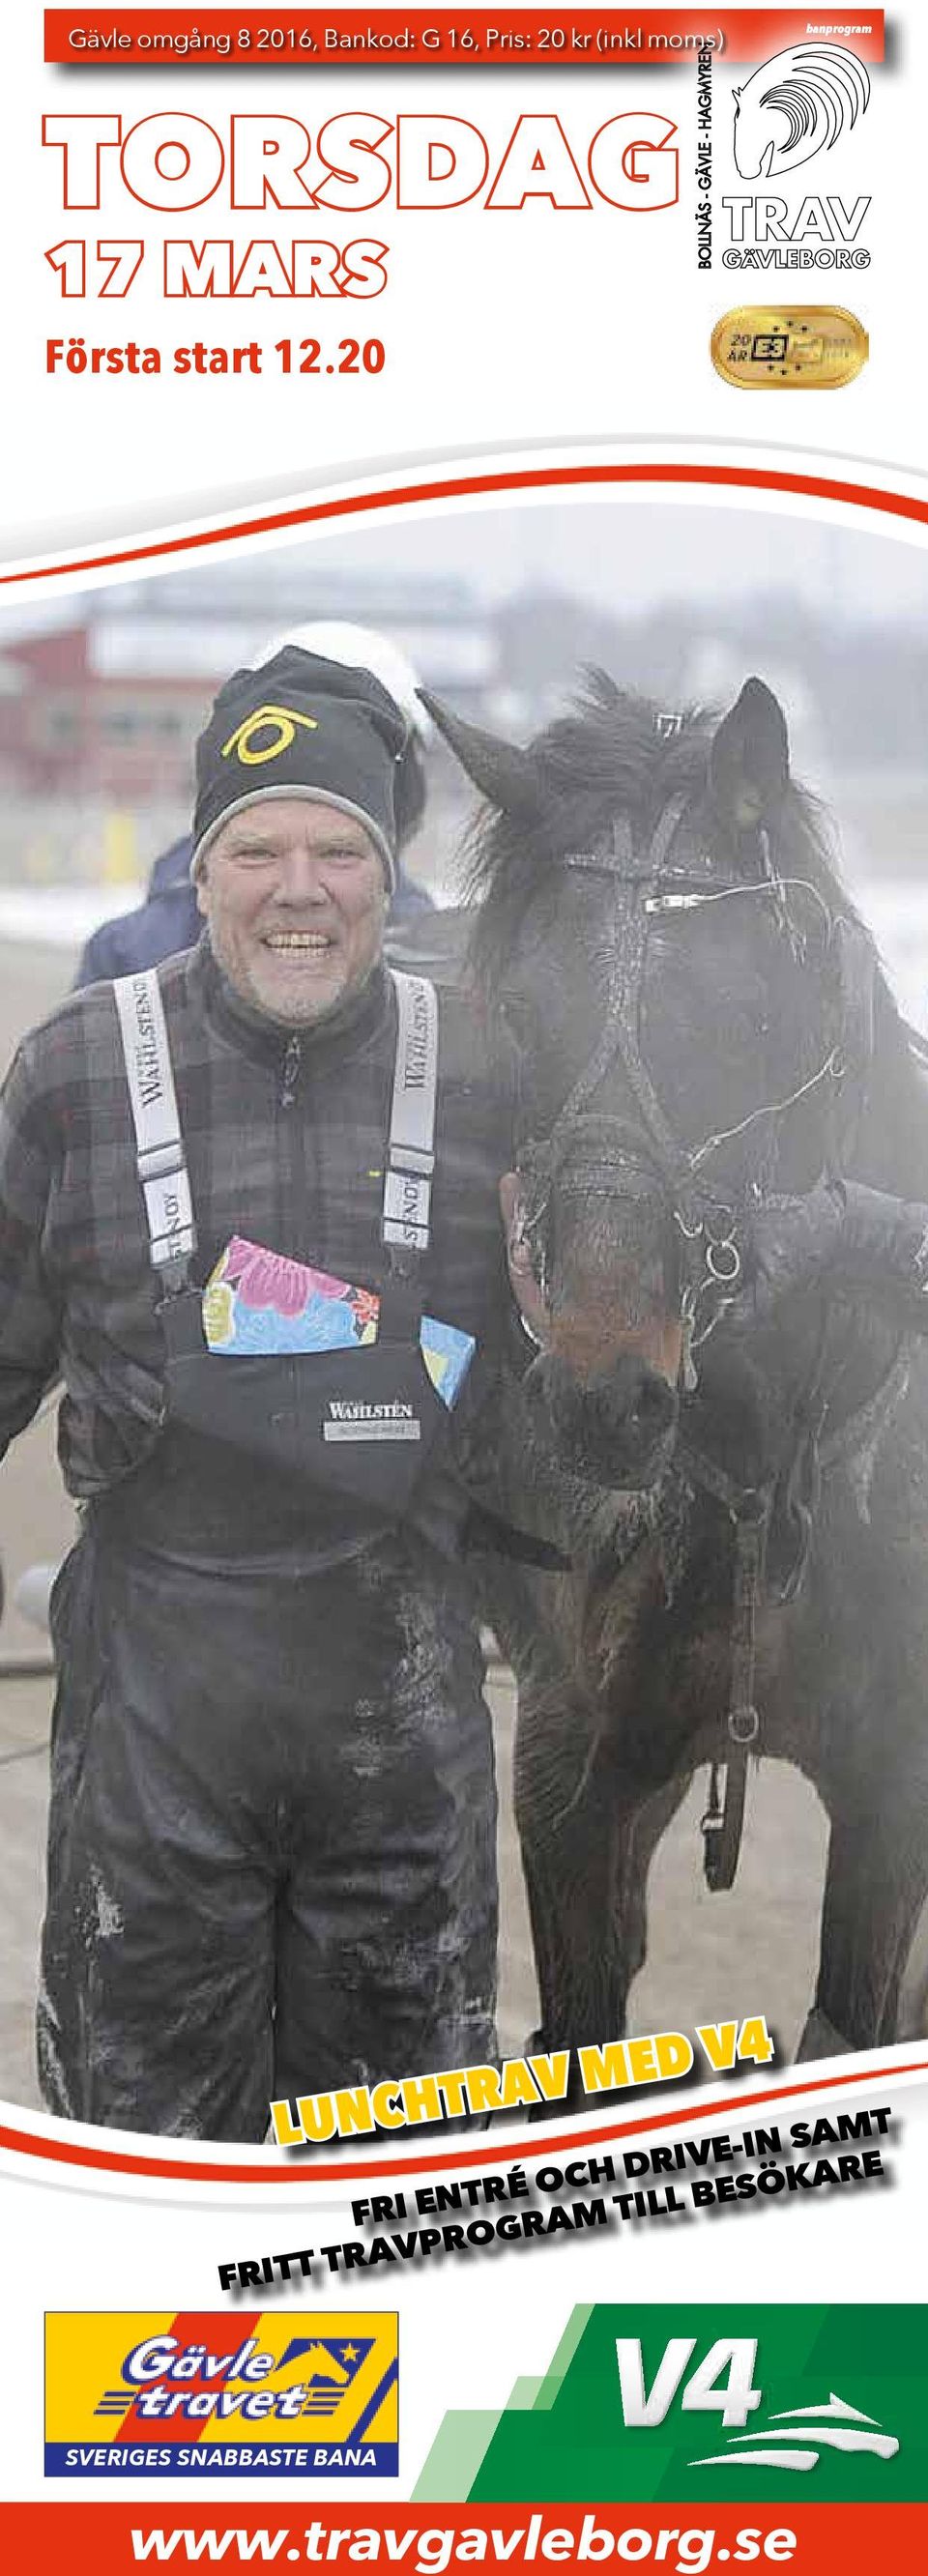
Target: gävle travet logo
x,y
189,2394
794,108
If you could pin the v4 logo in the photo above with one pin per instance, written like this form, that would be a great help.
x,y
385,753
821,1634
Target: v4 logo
x,y
722,2382
690,2401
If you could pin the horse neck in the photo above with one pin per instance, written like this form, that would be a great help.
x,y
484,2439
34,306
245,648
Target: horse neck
x,y
890,1148
751,1385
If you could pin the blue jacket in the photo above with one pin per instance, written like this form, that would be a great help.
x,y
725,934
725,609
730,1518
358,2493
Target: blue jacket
x,y
167,921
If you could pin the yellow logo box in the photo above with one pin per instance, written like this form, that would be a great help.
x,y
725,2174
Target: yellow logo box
x,y
241,2393
797,348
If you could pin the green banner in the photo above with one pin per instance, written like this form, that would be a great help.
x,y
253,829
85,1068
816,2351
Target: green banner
x,y
707,2402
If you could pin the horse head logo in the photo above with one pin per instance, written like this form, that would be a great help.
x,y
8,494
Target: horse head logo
x,y
319,2360
797,105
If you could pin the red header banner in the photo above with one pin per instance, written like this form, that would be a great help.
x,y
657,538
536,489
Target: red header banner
x,y
539,38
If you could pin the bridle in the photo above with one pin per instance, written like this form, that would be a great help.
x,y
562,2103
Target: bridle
x,y
712,1232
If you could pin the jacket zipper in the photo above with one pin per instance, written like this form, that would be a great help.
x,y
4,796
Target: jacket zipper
x,y
302,1211
289,1073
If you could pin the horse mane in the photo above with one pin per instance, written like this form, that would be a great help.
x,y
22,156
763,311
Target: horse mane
x,y
613,753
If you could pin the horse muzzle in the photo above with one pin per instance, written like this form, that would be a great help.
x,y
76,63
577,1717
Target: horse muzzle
x,y
616,1429
597,1222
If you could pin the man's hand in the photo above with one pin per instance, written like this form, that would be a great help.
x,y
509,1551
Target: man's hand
x,y
844,1237
794,1242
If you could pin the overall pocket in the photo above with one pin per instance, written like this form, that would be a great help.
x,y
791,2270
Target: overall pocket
x,y
362,1422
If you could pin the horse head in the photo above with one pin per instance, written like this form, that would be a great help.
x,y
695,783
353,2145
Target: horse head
x,y
658,920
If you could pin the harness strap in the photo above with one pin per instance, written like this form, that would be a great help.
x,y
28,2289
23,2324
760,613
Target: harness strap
x,y
162,1162
723,1821
407,1189
863,1428
751,1513
487,1533
620,1033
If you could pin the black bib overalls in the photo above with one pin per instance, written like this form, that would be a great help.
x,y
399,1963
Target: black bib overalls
x,y
272,1836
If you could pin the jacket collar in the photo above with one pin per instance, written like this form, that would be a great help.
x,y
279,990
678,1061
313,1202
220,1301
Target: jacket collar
x,y
346,1033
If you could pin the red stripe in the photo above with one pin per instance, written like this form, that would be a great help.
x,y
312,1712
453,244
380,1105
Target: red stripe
x,y
190,2326
95,2539
540,478
168,2168
748,36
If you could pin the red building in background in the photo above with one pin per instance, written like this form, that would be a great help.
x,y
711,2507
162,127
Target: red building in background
x,y
102,698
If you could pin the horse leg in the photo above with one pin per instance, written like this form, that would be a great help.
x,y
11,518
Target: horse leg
x,y
912,2013
642,1830
874,1919
587,1842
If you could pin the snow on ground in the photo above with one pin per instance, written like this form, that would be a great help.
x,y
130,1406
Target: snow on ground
x,y
897,912
62,916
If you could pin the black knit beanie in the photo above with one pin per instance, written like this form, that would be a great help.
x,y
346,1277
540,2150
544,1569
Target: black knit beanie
x,y
302,726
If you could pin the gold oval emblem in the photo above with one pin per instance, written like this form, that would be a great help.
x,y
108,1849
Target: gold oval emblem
x,y
795,348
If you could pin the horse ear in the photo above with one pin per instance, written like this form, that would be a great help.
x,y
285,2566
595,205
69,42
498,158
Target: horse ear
x,y
506,776
749,759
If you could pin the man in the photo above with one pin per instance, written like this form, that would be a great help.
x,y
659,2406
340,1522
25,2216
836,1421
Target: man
x,y
271,1846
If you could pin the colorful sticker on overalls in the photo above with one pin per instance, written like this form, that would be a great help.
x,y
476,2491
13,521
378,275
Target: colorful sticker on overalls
x,y
257,1302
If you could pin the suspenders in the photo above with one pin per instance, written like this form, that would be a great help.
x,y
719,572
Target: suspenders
x,y
384,1428
162,1163
407,1191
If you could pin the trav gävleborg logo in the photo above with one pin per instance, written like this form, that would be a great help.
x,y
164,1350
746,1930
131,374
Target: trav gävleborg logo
x,y
807,102
795,106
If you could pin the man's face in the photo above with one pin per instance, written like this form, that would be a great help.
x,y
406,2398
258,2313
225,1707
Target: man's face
x,y
296,900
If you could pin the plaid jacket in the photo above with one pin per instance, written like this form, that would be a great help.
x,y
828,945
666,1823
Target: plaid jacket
x,y
285,1143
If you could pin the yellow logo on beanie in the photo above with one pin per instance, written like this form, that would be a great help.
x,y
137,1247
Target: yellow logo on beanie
x,y
285,721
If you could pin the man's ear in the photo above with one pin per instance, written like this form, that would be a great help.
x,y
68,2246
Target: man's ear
x,y
201,890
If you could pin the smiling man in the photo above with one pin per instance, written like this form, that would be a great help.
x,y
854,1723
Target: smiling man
x,y
296,904
295,832
248,1210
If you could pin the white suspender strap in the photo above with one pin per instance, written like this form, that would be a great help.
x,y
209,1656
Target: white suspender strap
x,y
407,1192
162,1163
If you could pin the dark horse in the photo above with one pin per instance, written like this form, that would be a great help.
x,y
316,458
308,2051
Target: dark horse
x,y
708,1041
